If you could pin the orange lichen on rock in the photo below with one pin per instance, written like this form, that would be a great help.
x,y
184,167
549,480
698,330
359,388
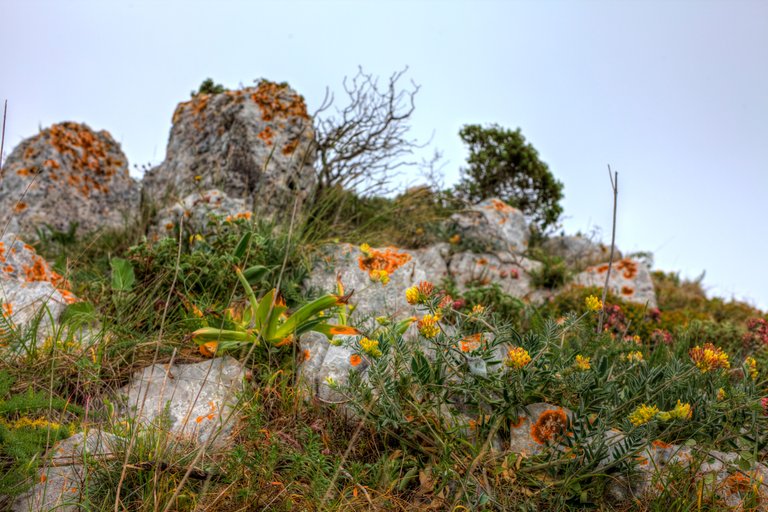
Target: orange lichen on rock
x,y
277,100
266,135
290,146
627,290
20,207
627,267
550,426
388,260
738,483
500,206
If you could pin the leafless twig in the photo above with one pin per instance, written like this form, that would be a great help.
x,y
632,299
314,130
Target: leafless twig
x,y
614,177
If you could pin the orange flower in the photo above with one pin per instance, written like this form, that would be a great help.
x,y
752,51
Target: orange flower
x,y
209,349
550,426
344,329
355,359
471,342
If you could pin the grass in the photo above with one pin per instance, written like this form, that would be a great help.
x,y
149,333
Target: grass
x,y
402,439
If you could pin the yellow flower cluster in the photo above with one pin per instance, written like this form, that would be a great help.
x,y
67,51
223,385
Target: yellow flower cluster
x,y
643,414
419,294
751,365
26,423
720,395
582,363
681,411
517,358
709,357
478,309
428,326
370,347
634,357
593,303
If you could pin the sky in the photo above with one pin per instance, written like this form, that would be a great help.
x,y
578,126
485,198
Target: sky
x,y
672,94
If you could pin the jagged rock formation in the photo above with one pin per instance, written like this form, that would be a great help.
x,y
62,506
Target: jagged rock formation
x,y
254,144
67,174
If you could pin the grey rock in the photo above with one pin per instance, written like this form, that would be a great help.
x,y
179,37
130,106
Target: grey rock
x,y
512,272
255,144
630,280
67,174
29,288
492,225
323,361
62,479
197,212
199,398
579,251
533,432
373,299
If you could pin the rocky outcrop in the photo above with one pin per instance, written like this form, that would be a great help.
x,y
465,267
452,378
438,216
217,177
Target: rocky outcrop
x,y
630,280
578,251
197,213
67,174
29,289
491,225
254,144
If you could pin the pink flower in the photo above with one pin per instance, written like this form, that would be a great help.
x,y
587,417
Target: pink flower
x,y
764,403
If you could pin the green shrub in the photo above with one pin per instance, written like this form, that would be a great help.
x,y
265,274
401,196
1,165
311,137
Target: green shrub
x,y
501,164
208,87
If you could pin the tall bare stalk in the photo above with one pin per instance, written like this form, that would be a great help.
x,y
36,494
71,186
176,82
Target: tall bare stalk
x,y
614,177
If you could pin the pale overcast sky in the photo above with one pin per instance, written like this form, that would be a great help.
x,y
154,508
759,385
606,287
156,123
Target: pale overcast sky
x,y
673,94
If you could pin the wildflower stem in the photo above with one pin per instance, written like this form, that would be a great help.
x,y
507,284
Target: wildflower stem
x,y
615,187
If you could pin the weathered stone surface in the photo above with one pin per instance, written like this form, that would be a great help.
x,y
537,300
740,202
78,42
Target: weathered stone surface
x,y
540,424
373,299
254,144
197,211
630,280
511,272
61,481
322,361
28,285
67,174
492,225
579,251
199,398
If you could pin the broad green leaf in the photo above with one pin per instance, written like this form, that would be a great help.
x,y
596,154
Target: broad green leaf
x,y
123,277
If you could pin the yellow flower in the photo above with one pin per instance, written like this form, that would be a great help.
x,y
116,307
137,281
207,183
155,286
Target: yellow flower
x,y
593,303
455,239
330,381
751,365
370,347
634,357
365,249
428,326
478,309
517,358
412,295
643,414
582,363
379,275
709,357
720,395
682,411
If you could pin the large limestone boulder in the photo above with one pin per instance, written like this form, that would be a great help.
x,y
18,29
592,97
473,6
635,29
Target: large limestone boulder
x,y
254,144
67,174
630,280
198,398
29,289
578,251
492,225
511,272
